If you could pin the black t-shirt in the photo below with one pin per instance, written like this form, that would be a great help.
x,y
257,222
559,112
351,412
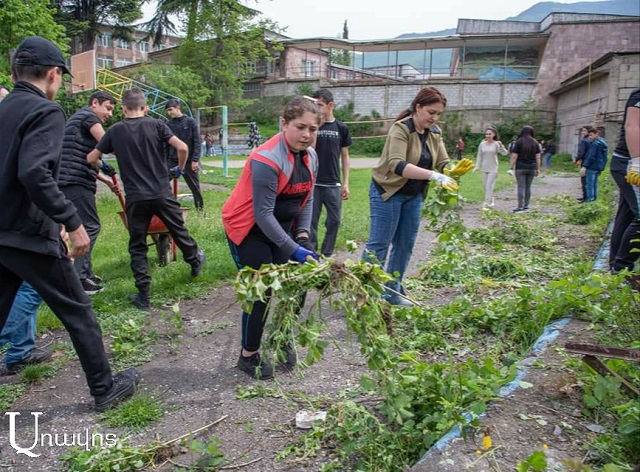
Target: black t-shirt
x,y
414,186
634,101
138,144
526,158
332,137
289,201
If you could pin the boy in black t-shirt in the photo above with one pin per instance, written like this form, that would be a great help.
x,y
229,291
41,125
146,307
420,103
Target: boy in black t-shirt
x,y
332,146
138,142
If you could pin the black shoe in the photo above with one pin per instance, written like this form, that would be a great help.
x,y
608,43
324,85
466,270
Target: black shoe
x,y
196,269
518,210
255,366
288,358
124,385
36,356
525,210
96,279
140,301
580,199
90,287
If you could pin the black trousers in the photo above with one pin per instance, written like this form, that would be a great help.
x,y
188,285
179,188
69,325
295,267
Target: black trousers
x,y
625,237
254,251
85,202
55,279
192,179
139,216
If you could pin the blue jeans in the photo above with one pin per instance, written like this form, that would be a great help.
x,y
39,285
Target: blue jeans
x,y
547,160
394,222
20,329
591,185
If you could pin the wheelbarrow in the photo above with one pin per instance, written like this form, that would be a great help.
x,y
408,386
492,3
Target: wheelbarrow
x,y
164,243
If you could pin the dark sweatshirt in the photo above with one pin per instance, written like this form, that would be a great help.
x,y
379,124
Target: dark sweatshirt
x,y
33,207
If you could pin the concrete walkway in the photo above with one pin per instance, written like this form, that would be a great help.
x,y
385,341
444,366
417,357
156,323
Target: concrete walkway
x,y
356,163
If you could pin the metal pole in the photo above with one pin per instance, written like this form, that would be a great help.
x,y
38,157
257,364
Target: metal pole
x,y
224,143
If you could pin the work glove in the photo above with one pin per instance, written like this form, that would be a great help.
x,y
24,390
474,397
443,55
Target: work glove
x,y
511,172
633,172
447,182
305,242
107,170
301,254
461,168
583,171
176,172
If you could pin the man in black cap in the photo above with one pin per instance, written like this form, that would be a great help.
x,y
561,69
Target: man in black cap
x,y
186,128
36,211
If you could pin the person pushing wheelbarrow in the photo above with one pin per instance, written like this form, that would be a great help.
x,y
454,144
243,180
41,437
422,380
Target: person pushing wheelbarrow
x,y
138,143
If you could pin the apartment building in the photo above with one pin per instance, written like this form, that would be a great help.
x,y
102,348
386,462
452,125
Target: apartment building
x,y
113,53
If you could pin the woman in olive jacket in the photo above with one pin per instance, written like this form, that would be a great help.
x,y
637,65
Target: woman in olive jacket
x,y
413,149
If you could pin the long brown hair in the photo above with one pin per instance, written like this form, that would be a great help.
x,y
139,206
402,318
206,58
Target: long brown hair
x,y
426,96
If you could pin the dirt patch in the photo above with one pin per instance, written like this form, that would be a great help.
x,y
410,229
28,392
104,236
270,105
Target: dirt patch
x,y
197,381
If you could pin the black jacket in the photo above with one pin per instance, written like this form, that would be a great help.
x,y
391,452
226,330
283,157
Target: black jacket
x,y
187,130
33,207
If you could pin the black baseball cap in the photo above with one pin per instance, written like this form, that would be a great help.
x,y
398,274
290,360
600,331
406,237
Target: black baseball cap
x,y
38,51
171,103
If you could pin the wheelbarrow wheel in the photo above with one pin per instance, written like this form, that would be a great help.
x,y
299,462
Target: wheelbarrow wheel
x,y
165,253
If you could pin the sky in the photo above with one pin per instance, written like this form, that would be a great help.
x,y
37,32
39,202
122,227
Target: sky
x,y
380,19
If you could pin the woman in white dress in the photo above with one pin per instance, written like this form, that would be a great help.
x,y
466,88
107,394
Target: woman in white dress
x,y
487,163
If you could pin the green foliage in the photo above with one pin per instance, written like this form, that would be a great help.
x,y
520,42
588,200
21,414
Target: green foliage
x,y
211,457
20,19
304,89
223,43
82,19
530,114
9,393
131,343
536,462
179,81
135,413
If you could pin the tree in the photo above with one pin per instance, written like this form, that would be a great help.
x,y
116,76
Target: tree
x,y
343,56
223,42
82,19
175,80
20,19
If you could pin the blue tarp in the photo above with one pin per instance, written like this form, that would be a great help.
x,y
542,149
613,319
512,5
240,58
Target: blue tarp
x,y
503,73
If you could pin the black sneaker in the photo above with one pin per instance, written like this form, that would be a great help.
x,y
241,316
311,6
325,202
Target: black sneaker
x,y
36,356
124,385
525,209
196,269
140,301
90,287
255,366
518,210
96,279
288,357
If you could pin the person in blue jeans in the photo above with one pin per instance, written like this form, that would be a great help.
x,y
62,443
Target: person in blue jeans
x,y
593,164
19,333
414,148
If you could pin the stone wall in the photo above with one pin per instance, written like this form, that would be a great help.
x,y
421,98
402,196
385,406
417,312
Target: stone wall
x,y
572,46
599,102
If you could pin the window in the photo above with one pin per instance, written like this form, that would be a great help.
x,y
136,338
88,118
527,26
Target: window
x,y
335,75
308,67
251,87
122,44
105,61
122,62
105,40
143,46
